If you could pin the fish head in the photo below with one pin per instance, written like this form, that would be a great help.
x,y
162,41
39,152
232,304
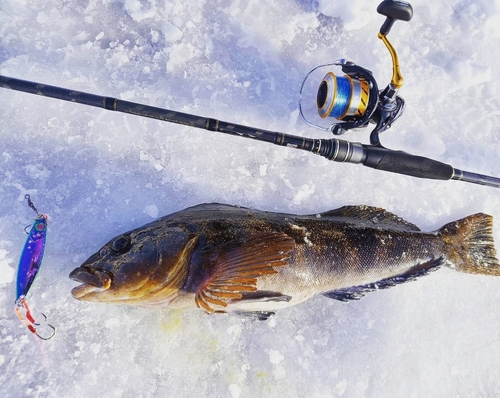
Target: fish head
x,y
138,267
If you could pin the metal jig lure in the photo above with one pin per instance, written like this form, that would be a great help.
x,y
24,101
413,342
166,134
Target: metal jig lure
x,y
29,265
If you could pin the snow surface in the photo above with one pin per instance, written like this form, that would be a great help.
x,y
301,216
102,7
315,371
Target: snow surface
x,y
98,173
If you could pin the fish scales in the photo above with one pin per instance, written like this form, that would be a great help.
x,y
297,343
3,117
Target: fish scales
x,y
226,258
332,248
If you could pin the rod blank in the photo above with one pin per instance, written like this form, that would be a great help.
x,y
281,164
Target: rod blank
x,y
333,149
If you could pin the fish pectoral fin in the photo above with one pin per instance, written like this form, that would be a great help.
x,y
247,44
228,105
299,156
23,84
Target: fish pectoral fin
x,y
358,292
237,264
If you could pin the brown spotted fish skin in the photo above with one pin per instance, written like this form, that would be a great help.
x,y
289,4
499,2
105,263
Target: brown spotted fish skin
x,y
223,258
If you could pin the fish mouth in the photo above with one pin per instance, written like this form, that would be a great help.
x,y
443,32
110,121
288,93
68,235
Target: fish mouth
x,y
93,280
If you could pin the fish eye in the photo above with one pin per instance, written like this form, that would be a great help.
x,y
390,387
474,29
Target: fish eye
x,y
120,244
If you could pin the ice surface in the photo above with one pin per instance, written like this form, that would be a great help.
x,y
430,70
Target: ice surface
x,y
97,174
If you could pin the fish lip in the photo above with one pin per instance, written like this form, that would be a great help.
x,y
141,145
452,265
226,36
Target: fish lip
x,y
93,280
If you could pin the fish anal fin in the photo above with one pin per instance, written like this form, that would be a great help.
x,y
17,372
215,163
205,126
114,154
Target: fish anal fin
x,y
358,292
374,215
236,265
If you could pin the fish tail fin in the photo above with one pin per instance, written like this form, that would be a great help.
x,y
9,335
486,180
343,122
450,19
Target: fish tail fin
x,y
469,245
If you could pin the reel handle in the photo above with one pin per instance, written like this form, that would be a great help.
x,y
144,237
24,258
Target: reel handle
x,y
394,10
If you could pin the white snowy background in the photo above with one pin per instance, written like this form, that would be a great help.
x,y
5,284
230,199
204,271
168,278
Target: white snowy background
x,y
99,173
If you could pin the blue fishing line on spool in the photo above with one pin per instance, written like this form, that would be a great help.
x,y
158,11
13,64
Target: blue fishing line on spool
x,y
342,97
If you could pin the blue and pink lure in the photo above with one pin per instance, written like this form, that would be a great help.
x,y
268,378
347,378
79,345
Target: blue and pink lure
x,y
29,265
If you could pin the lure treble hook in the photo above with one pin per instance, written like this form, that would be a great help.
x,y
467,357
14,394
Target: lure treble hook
x,y
28,319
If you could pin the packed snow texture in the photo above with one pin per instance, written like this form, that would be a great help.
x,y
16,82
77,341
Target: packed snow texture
x,y
99,173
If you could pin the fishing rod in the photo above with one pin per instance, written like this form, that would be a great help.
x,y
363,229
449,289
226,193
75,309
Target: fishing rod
x,y
353,99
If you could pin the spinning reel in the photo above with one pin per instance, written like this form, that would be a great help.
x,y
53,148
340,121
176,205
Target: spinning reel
x,y
354,99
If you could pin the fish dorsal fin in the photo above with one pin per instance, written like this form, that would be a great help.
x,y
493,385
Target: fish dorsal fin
x,y
237,265
375,216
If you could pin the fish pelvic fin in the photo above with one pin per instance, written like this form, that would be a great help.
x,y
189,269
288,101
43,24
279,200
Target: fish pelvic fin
x,y
469,245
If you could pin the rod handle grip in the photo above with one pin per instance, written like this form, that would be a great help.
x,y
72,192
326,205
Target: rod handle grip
x,y
404,163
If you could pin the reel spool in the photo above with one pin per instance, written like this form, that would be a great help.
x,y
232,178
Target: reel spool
x,y
342,97
351,98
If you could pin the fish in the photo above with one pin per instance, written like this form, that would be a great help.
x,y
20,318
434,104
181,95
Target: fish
x,y
222,258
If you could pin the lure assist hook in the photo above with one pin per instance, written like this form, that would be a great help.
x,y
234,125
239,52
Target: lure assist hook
x,y
353,99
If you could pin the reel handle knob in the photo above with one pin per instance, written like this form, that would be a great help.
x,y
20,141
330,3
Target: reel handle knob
x,y
394,10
